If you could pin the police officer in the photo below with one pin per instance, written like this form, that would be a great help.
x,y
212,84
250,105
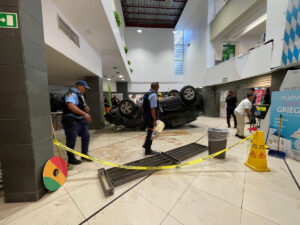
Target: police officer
x,y
75,119
150,113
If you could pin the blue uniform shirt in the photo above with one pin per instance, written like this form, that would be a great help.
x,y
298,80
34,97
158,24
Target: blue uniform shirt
x,y
73,98
153,99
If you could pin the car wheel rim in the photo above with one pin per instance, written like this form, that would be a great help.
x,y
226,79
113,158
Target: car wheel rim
x,y
189,93
126,108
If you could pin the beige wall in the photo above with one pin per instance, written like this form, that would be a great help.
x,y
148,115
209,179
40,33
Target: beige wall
x,y
231,13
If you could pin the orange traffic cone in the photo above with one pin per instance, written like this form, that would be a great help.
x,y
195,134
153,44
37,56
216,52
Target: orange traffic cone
x,y
257,157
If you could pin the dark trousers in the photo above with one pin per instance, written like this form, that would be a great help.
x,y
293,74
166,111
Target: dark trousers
x,y
230,112
149,125
74,128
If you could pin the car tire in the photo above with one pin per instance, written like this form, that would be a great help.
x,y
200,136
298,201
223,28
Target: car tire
x,y
188,94
173,92
127,108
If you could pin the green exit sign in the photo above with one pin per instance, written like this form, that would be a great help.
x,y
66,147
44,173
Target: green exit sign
x,y
225,80
8,20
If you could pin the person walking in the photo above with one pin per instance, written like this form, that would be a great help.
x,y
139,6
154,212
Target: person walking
x,y
242,110
150,115
231,101
75,119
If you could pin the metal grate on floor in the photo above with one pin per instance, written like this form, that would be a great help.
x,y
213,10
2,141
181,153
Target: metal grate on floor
x,y
114,177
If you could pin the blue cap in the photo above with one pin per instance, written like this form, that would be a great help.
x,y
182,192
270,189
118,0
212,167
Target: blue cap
x,y
82,83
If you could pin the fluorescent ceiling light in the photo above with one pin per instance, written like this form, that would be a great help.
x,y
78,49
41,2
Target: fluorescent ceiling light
x,y
108,79
121,76
139,30
254,24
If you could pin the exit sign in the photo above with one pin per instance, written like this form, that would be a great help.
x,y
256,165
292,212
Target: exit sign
x,y
8,20
225,80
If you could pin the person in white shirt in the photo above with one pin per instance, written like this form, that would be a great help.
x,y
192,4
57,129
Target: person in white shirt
x,y
242,110
135,99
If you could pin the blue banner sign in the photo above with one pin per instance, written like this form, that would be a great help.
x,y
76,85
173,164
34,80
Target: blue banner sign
x,y
286,103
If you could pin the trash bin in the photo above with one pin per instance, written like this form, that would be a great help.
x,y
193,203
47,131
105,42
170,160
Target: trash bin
x,y
217,141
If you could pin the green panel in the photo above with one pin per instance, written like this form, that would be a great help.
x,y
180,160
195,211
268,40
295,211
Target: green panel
x,y
8,20
51,184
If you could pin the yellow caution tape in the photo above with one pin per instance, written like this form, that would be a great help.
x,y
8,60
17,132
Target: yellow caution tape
x,y
199,160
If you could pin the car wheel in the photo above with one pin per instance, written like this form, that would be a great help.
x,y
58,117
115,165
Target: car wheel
x,y
174,93
127,108
188,94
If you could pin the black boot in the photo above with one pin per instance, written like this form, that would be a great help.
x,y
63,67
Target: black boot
x,y
74,161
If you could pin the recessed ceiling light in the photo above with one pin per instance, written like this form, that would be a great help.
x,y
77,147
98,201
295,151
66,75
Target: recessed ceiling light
x,y
108,79
174,31
139,30
123,79
121,76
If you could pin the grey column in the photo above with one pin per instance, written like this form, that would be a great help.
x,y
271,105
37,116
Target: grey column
x,y
94,99
122,87
25,134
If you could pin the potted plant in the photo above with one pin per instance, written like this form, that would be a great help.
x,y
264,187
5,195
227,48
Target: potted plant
x,y
118,18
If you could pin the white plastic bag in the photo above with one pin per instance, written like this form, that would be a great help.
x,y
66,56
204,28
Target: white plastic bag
x,y
160,125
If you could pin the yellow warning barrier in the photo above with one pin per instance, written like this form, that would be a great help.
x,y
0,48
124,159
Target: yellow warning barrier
x,y
196,161
257,156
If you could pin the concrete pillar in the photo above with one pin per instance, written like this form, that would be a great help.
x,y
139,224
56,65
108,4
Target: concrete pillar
x,y
122,87
25,131
94,98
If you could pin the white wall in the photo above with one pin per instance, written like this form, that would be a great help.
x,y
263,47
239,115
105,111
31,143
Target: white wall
x,y
116,4
145,86
253,63
113,85
276,11
54,37
152,56
195,25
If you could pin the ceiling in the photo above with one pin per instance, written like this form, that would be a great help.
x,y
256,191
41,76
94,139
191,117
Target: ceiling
x,y
62,70
152,13
93,25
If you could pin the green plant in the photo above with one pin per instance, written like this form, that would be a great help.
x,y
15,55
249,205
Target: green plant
x,y
129,63
118,18
131,70
126,49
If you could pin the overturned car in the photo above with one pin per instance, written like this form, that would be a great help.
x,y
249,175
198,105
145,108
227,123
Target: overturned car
x,y
178,109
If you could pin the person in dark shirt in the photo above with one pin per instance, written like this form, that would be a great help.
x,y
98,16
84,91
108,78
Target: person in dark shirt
x,y
231,101
115,101
252,91
267,97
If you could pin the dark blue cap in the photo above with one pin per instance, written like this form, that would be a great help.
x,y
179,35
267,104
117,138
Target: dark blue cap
x,y
82,83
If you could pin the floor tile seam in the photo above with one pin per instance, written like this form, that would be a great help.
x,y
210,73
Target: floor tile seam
x,y
5,222
175,204
74,202
235,178
243,197
92,150
172,218
149,201
77,188
265,218
275,192
291,198
212,195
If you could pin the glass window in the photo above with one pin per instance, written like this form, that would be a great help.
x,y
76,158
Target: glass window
x,y
178,52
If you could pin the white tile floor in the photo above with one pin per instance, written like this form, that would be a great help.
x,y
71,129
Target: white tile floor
x,y
213,192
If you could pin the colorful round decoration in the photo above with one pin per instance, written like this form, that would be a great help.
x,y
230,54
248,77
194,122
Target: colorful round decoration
x,y
55,173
